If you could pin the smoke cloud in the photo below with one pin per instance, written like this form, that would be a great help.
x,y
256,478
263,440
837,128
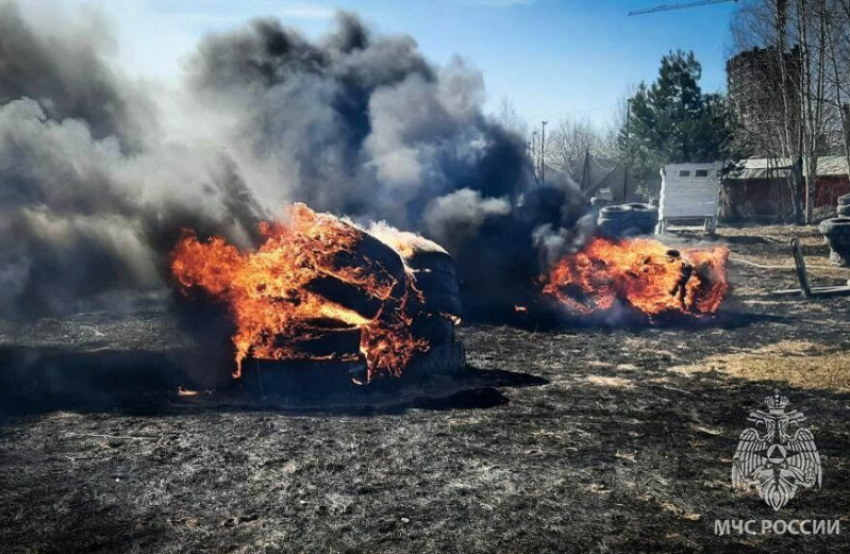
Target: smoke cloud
x,y
64,71
94,194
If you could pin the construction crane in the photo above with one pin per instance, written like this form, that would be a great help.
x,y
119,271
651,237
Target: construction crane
x,y
679,6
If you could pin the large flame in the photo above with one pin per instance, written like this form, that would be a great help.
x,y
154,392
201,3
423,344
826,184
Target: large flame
x,y
273,297
642,273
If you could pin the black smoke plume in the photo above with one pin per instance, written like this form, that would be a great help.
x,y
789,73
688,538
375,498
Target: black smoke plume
x,y
94,194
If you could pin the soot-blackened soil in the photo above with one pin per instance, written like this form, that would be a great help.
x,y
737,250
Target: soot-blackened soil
x,y
585,439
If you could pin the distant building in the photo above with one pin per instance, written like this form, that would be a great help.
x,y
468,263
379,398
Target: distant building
x,y
754,84
761,188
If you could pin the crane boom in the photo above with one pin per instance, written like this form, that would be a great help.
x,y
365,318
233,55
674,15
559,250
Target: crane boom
x,y
679,6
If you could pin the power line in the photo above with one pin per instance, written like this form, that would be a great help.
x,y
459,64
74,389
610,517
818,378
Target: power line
x,y
678,6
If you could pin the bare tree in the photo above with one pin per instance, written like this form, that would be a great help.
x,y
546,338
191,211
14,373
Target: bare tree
x,y
509,119
836,13
795,112
570,142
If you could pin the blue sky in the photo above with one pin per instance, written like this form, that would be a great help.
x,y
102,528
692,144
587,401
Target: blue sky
x,y
552,58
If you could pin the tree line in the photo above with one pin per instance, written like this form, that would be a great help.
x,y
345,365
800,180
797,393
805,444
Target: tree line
x,y
798,112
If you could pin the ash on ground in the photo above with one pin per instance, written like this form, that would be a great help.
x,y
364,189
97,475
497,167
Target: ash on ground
x,y
572,440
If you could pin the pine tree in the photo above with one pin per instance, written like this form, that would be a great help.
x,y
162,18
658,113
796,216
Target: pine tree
x,y
672,121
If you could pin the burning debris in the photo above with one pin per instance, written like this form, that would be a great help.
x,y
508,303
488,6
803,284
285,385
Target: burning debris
x,y
354,123
641,273
316,283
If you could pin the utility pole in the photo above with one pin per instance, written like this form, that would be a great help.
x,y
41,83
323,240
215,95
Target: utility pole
x,y
535,166
543,153
585,171
845,121
629,159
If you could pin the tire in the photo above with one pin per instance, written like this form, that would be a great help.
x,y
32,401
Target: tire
x,y
432,261
603,222
611,227
442,303
332,343
368,251
844,200
346,295
643,210
844,210
371,250
648,227
436,279
835,226
443,359
430,282
628,226
635,230
644,217
435,329
615,212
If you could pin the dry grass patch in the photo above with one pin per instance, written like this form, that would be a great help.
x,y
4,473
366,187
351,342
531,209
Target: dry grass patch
x,y
799,363
617,382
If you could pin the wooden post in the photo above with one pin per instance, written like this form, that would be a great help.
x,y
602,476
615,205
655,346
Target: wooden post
x,y
801,267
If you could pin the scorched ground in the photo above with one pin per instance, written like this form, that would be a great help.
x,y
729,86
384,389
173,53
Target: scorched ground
x,y
571,440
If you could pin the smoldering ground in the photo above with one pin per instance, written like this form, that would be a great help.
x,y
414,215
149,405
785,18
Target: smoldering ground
x,y
589,441
94,193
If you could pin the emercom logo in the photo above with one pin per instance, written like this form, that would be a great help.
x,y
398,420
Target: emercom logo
x,y
777,527
778,457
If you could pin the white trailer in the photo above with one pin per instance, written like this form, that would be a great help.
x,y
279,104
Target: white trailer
x,y
690,192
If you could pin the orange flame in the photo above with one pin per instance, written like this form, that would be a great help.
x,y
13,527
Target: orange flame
x,y
273,300
643,273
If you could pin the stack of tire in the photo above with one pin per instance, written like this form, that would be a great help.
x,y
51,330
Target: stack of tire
x,y
837,233
844,206
627,220
330,349
433,314
436,279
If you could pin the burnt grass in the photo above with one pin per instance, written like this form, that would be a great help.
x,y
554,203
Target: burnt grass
x,y
584,438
